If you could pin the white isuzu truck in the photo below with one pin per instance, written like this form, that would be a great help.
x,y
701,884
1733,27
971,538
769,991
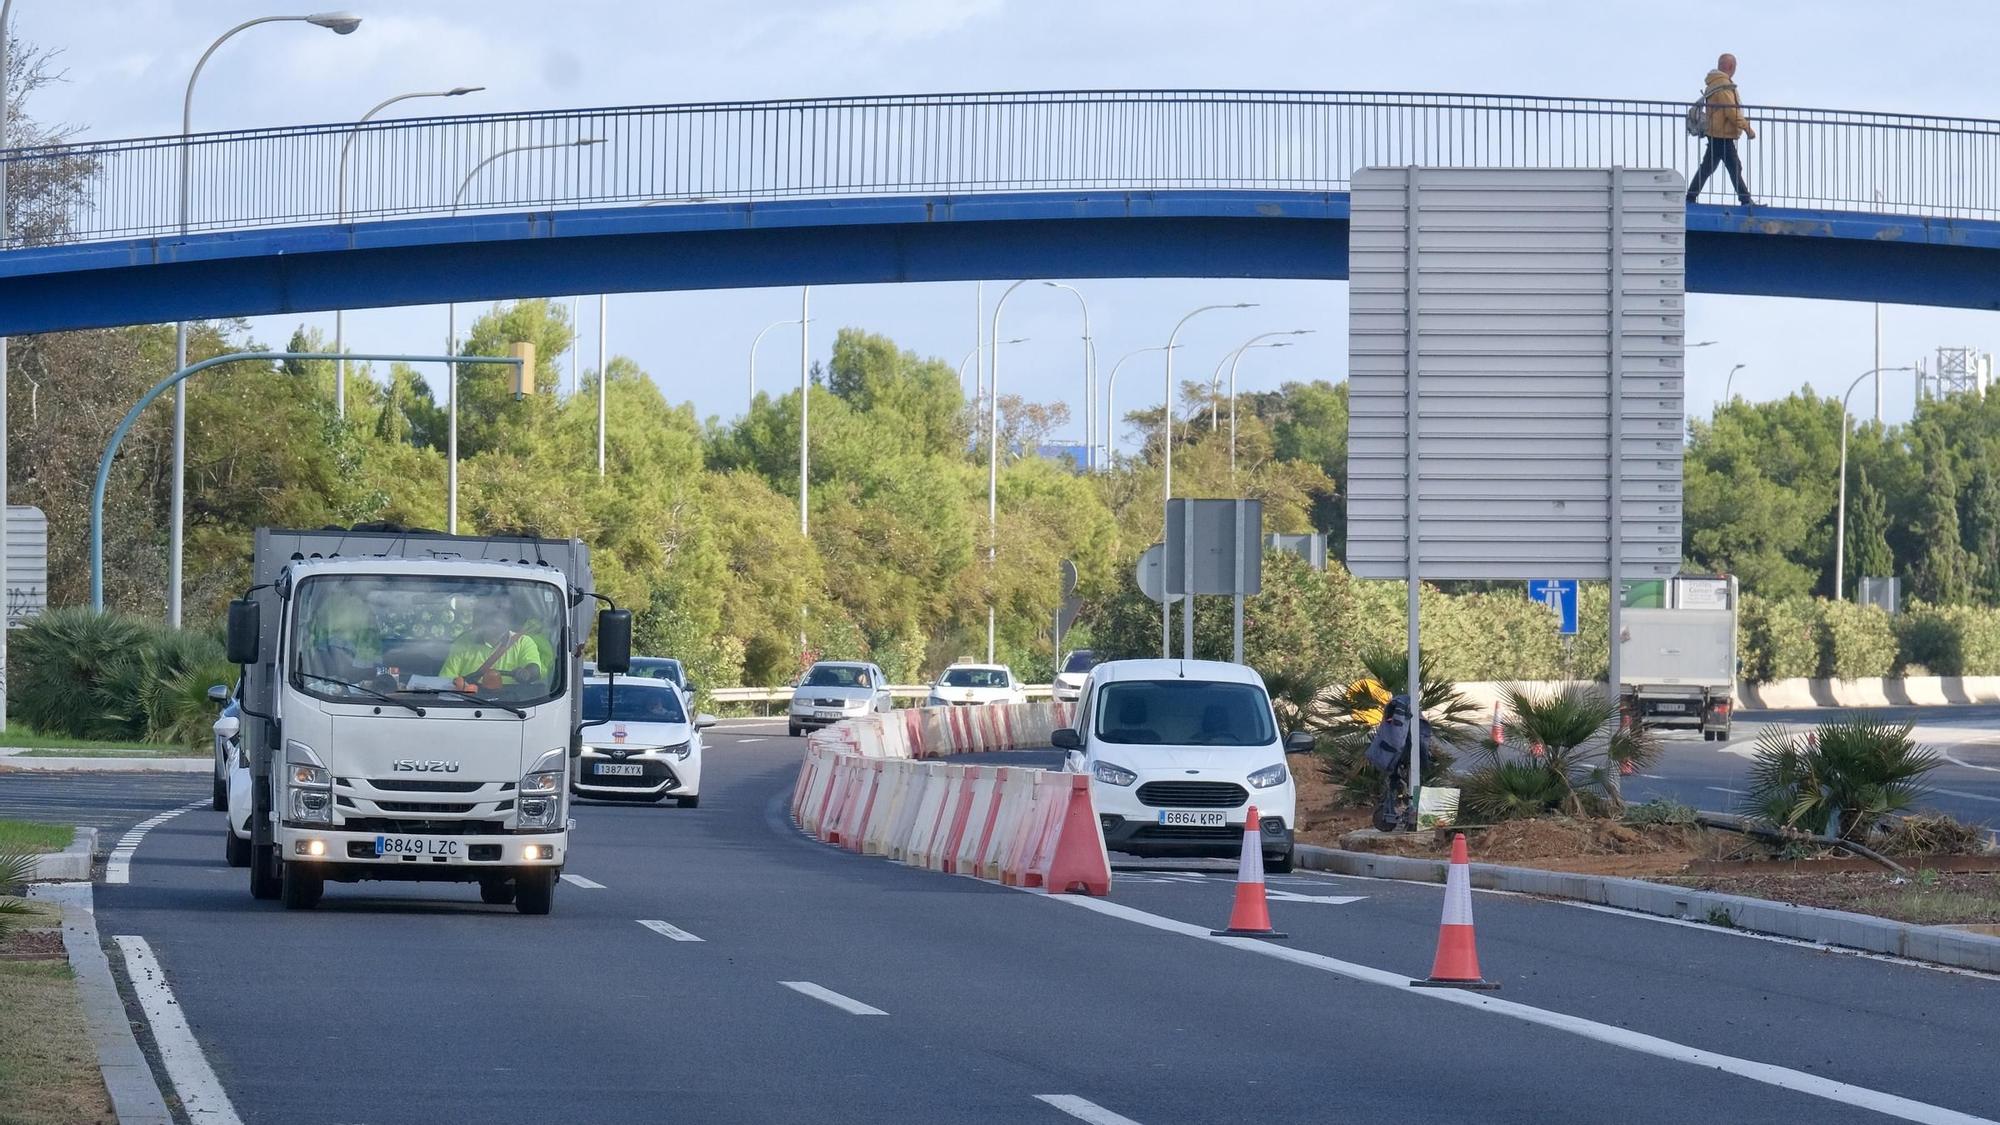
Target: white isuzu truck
x,y
411,705
1678,667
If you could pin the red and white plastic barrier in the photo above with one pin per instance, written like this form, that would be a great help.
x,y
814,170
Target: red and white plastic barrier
x,y
866,786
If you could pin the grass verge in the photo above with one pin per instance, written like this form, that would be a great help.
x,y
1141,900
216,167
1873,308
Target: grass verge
x,y
48,1069
116,752
23,738
31,836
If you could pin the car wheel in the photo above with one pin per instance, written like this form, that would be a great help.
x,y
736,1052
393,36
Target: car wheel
x,y
264,883
1280,864
301,886
496,892
689,802
220,802
794,727
535,890
235,849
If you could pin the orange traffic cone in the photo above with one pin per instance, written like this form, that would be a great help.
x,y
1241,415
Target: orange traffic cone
x,y
1457,963
1251,916
1499,735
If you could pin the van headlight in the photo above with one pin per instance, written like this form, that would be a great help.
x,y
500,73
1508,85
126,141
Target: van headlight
x,y
1113,775
1269,776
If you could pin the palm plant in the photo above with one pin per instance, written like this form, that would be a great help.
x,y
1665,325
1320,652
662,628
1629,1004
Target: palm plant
x,y
1344,716
15,868
1843,777
67,663
1584,744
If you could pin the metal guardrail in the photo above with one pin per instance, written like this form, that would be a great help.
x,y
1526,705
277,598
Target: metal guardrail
x,y
899,691
1893,163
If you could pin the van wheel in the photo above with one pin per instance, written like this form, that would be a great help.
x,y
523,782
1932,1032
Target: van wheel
x,y
1280,864
220,803
264,872
496,892
235,849
535,890
301,886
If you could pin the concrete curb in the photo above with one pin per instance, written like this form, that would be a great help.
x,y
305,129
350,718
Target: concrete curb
x,y
1941,945
128,1078
106,765
71,863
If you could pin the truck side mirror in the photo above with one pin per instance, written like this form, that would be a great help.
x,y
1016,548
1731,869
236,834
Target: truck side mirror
x,y
614,642
245,631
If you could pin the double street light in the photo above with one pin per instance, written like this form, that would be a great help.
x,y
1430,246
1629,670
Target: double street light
x,y
1167,483
340,23
1234,358
1111,398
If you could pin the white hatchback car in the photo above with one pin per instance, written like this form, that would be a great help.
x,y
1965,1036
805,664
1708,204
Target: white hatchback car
x,y
832,690
976,684
639,744
1177,751
1075,668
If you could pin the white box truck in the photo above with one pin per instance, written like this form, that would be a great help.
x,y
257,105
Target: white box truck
x,y
411,706
1678,655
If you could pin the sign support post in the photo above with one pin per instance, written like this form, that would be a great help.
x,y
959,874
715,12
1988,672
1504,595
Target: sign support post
x,y
1413,217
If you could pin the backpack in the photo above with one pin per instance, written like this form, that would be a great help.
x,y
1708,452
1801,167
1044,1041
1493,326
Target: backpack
x,y
1697,114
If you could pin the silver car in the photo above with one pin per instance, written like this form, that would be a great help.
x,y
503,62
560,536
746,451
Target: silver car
x,y
832,690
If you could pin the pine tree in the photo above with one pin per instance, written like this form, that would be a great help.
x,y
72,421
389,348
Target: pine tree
x,y
1979,513
1867,533
1942,574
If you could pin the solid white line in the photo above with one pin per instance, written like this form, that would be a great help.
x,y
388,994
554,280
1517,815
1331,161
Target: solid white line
x,y
1969,765
1722,789
1084,1110
187,1068
1965,795
759,738
580,881
1767,1073
1816,947
118,868
667,929
845,1003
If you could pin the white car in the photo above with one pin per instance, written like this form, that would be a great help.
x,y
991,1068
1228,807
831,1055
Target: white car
x,y
236,786
832,690
1177,751
223,697
976,685
1071,673
639,743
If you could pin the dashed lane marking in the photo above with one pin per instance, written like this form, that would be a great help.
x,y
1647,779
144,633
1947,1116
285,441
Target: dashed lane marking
x,y
118,869
846,1004
667,929
1084,1110
201,1095
1967,796
1957,761
580,881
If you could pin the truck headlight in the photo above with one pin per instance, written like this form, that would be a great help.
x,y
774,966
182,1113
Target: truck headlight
x,y
311,806
540,812
307,777
1113,775
538,784
1269,776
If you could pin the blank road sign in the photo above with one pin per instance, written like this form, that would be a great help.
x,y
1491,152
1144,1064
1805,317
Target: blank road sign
x,y
1539,314
1218,533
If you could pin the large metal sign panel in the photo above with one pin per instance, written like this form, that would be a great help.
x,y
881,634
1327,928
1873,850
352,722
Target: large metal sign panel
x,y
1538,314
1214,547
27,571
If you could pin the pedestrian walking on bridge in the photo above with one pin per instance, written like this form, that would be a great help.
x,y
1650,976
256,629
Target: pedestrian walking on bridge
x,y
1723,111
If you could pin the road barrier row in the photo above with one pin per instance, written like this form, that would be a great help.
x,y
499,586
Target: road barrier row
x,y
1791,694
872,785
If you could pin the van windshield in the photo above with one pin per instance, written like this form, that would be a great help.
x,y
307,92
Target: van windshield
x,y
1184,713
456,640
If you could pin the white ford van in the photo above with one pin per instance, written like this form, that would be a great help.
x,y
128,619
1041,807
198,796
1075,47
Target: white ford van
x,y
1177,751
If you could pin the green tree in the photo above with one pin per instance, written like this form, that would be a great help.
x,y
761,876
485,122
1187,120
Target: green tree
x,y
1867,533
1942,571
1980,520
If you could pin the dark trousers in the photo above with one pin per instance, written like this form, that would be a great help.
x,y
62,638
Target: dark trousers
x,y
1721,152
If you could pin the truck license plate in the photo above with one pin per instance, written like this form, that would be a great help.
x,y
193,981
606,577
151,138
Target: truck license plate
x,y
1195,818
1676,708
416,846
618,769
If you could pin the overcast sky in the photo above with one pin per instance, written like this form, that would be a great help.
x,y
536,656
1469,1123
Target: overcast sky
x,y
127,62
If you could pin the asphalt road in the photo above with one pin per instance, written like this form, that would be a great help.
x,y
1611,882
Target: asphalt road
x,y
414,1003
112,802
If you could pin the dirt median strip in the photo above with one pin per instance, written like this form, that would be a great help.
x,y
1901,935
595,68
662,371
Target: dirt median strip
x,y
48,1069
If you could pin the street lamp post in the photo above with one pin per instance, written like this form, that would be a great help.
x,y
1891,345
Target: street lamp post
x,y
1730,381
993,464
1235,358
1089,367
1840,511
753,356
6,598
1111,398
340,216
340,23
975,351
1167,487
179,378
451,345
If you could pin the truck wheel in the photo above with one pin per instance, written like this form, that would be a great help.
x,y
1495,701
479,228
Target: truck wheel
x,y
496,892
235,849
535,890
301,886
264,872
688,802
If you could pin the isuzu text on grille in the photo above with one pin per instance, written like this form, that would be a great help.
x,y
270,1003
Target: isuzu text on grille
x,y
411,765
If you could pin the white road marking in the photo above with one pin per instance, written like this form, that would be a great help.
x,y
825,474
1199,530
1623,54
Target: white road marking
x,y
667,929
1816,947
1292,896
580,881
118,869
1965,795
758,738
1084,1110
1957,761
187,1068
1652,777
1725,789
844,1003
1783,1078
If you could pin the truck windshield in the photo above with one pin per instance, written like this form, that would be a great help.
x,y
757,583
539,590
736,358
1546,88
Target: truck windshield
x,y
458,640
1184,713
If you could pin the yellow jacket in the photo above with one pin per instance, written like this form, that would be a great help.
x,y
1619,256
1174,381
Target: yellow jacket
x,y
1726,121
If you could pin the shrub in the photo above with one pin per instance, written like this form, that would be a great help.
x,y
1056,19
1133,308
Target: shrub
x,y
1950,640
69,666
1583,744
1855,641
1660,810
1846,774
1780,638
1344,714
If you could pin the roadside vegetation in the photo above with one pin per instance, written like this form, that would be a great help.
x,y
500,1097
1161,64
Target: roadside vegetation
x,y
48,1067
24,836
